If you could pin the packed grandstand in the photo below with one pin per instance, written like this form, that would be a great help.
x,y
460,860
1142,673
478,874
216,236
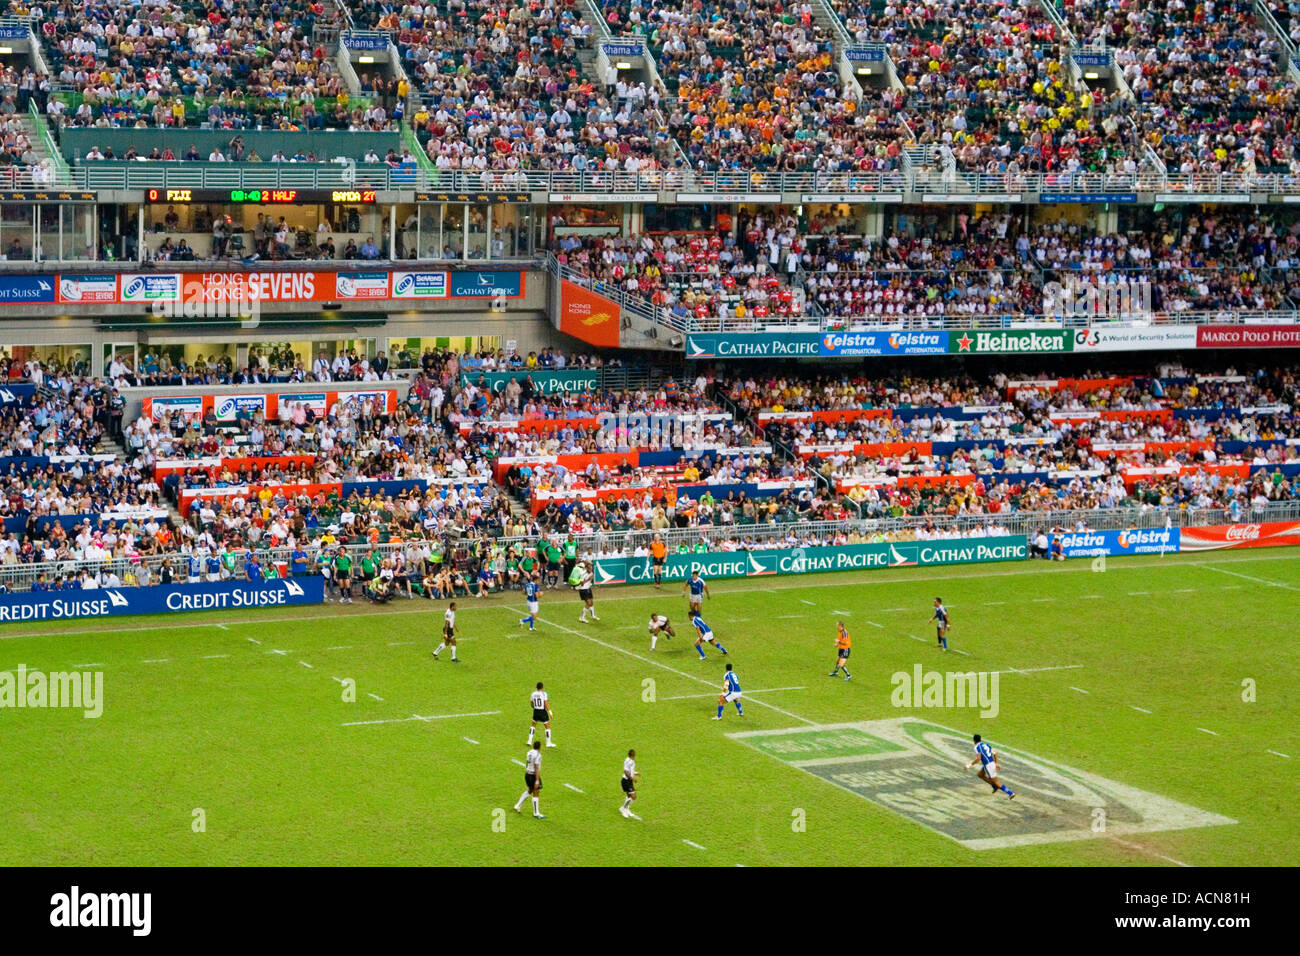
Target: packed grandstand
x,y
676,206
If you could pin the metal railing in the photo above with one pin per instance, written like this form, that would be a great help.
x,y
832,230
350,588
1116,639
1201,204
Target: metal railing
x,y
179,174
18,577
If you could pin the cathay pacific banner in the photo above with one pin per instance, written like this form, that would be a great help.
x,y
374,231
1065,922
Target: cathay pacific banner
x,y
852,557
108,602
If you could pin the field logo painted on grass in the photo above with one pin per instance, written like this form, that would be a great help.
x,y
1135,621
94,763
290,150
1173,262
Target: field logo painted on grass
x,y
915,769
922,688
74,690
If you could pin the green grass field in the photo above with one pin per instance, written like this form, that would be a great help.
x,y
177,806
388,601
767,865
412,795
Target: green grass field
x,y
1126,686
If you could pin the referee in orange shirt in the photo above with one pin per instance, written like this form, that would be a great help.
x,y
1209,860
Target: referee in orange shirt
x,y
658,555
843,643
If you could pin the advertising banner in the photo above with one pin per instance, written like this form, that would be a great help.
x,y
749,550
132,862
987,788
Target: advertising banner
x,y
419,285
1268,534
1012,341
487,285
87,289
883,342
856,557
587,316
149,288
258,287
1091,544
361,285
228,407
27,288
191,406
108,602
754,345
1119,339
545,381
1248,336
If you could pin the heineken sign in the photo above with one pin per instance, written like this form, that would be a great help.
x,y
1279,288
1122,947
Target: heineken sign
x,y
1011,340
853,557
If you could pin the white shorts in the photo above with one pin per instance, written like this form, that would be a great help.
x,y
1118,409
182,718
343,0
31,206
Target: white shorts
x,y
533,607
214,577
991,770
707,636
734,695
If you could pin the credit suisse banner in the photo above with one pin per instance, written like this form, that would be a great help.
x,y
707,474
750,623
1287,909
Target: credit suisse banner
x,y
856,557
108,602
1267,534
148,288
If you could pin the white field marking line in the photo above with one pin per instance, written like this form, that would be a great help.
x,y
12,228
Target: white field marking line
x,y
655,663
1185,590
890,610
340,647
993,603
1139,593
375,696
1080,689
281,653
223,627
694,844
78,667
157,660
1204,731
338,680
1142,710
305,664
399,643
765,690
211,657
403,720
471,740
575,789
958,650
809,603
633,815
1138,846
1043,600
915,638
1247,577
651,597
520,762
789,617
1035,670
1279,753
846,614
874,624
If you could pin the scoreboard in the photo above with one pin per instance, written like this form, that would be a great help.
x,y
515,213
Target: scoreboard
x,y
257,197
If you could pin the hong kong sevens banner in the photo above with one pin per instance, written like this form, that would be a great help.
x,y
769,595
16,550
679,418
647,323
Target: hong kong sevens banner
x,y
852,557
108,602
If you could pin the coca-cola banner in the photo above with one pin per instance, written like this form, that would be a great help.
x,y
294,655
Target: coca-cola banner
x,y
1267,534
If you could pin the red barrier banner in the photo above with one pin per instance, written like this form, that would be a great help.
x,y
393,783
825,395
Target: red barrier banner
x,y
192,495
828,415
1133,475
934,481
1248,336
1268,534
609,460
587,316
543,425
1106,449
260,463
238,287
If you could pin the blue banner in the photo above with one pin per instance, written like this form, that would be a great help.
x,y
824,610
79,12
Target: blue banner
x,y
14,33
1091,59
38,288
883,342
486,285
19,393
1087,197
365,42
864,55
623,48
1091,544
109,602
